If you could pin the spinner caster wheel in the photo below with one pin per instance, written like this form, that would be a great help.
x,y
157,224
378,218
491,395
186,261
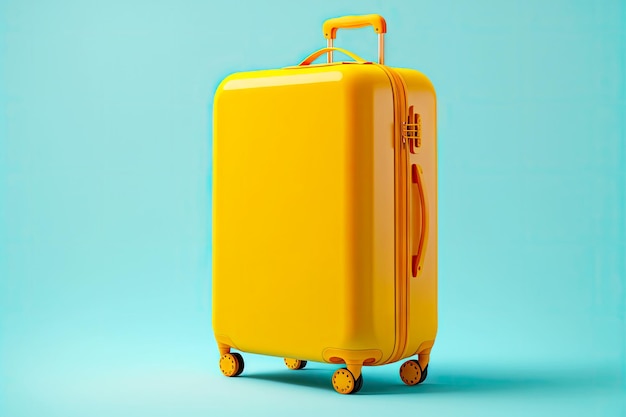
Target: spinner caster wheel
x,y
231,364
411,372
345,383
358,384
424,375
295,364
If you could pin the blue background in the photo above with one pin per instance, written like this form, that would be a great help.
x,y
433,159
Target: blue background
x,y
105,150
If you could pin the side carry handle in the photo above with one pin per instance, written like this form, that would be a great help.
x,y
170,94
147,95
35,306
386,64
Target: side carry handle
x,y
331,26
421,218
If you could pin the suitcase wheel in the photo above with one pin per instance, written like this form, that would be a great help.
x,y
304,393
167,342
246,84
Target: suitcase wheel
x,y
358,384
411,372
231,364
295,364
344,382
424,375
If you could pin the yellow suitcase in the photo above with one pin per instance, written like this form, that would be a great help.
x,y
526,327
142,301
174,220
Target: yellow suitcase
x,y
325,214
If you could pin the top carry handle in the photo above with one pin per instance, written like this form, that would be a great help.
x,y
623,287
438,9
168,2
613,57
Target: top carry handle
x,y
308,60
331,26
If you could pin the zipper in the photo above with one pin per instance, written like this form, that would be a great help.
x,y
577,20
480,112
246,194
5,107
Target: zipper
x,y
402,210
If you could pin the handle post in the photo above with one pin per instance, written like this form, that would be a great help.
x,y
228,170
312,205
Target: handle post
x,y
329,44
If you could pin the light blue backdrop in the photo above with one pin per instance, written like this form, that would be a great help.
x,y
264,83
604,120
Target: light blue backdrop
x,y
105,149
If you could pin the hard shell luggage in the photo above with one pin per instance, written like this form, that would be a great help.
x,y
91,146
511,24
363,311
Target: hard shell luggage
x,y
325,214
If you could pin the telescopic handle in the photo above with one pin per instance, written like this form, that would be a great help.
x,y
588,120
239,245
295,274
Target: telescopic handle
x,y
352,22
331,26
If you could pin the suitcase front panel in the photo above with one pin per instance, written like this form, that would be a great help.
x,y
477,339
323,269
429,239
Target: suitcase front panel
x,y
303,213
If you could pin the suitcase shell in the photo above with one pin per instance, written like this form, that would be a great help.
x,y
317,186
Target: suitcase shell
x,y
324,207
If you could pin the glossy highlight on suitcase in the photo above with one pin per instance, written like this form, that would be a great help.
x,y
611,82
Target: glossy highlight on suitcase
x,y
325,214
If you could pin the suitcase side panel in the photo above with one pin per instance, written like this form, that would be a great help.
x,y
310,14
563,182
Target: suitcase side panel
x,y
422,322
303,253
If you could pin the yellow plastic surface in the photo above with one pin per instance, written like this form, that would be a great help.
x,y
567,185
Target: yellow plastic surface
x,y
304,207
352,22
